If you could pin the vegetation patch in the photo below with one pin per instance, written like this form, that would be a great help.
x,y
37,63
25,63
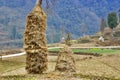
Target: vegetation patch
x,y
18,77
84,40
93,77
9,65
97,50
93,51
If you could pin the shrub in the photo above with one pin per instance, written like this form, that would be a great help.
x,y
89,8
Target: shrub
x,y
84,40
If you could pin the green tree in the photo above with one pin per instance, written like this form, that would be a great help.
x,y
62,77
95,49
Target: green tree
x,y
112,20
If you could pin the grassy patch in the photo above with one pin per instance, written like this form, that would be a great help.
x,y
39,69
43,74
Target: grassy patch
x,y
9,65
100,51
94,50
54,49
18,77
93,77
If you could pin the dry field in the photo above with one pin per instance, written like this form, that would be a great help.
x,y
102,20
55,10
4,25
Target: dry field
x,y
106,67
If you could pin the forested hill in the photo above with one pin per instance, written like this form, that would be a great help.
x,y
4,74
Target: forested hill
x,y
65,15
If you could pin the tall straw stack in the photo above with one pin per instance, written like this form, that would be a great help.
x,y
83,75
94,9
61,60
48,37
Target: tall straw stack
x,y
35,41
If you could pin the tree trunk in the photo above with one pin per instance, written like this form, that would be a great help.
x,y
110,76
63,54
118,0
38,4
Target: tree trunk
x,y
35,41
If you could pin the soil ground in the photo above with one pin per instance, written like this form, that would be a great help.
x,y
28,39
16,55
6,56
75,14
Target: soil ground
x,y
106,67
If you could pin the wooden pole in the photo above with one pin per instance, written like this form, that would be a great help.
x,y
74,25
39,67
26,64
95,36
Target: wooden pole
x,y
1,57
39,2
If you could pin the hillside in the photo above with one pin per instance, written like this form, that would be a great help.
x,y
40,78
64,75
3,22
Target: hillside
x,y
69,15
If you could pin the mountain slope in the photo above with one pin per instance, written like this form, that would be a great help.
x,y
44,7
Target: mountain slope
x,y
69,15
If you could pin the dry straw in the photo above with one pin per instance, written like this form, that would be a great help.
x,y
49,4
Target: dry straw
x,y
35,41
